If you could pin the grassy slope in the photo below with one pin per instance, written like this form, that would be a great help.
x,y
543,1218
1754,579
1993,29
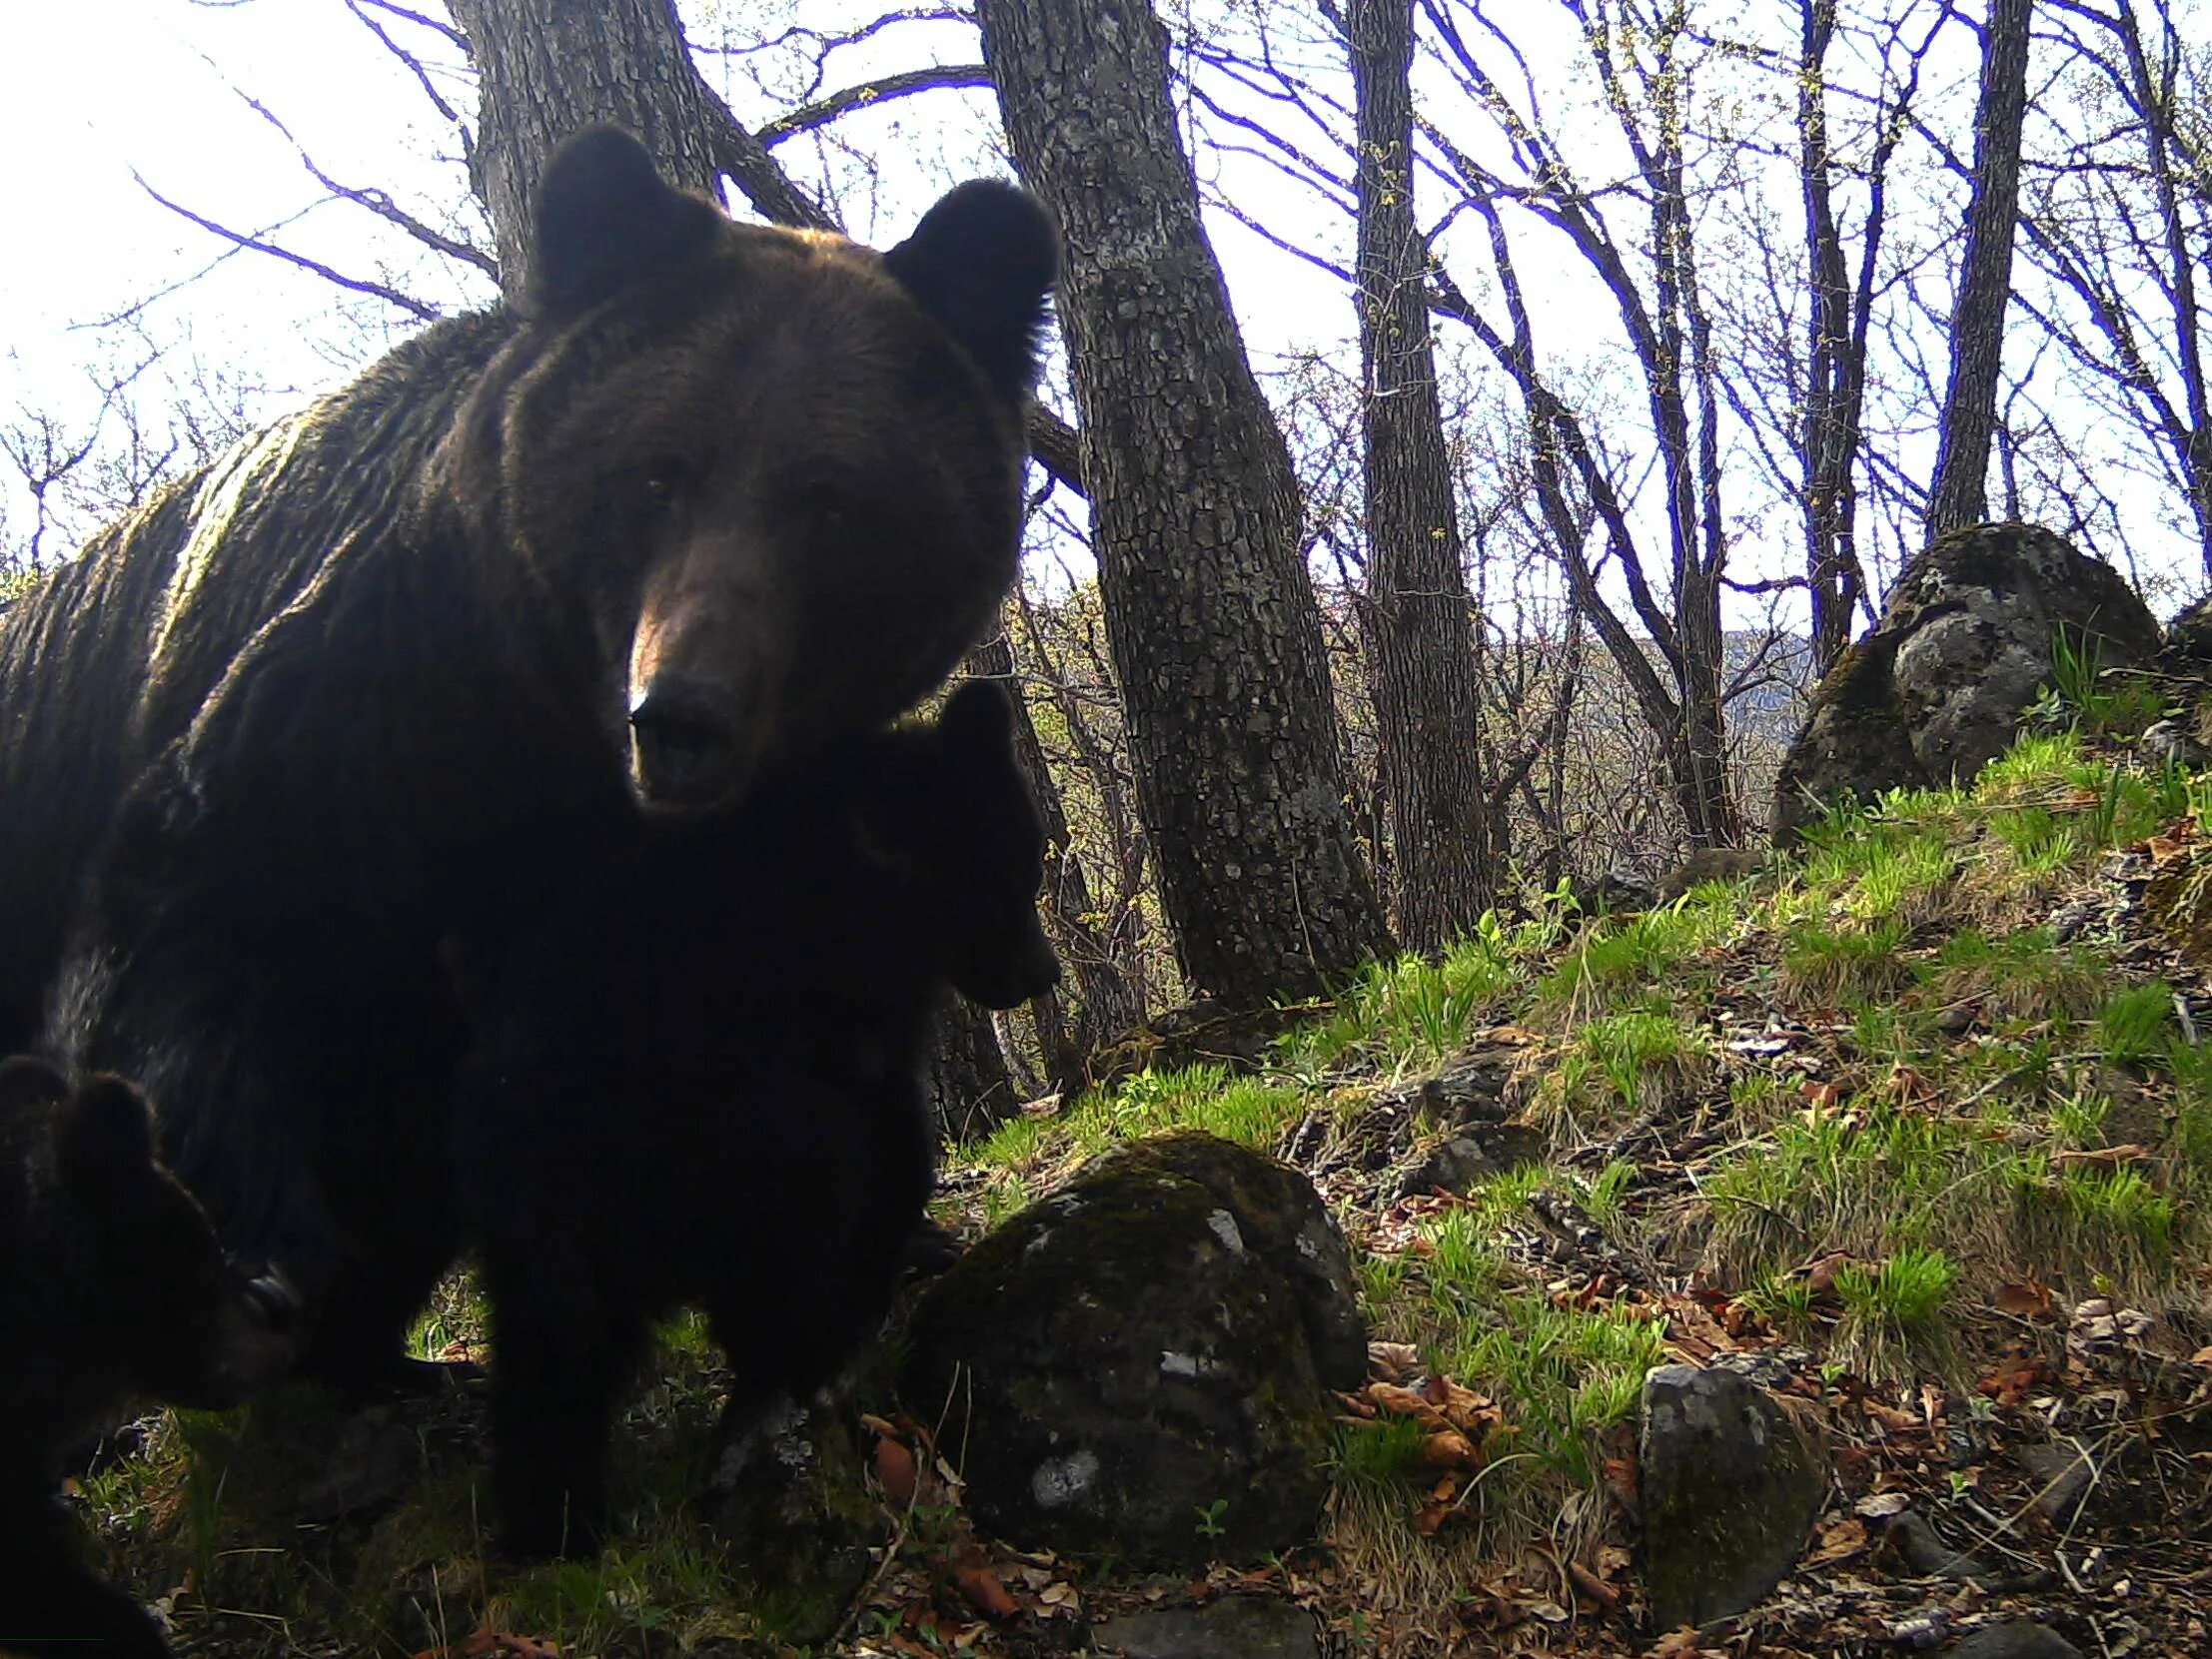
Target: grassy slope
x,y
1867,1108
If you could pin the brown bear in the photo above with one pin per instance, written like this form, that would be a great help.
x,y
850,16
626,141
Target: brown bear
x,y
713,495
111,1287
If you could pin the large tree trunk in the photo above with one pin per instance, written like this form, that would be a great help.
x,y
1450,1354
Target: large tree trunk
x,y
1958,496
549,67
1420,648
1211,619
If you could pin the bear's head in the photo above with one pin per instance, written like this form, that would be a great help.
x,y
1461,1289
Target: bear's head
x,y
152,1305
958,812
772,477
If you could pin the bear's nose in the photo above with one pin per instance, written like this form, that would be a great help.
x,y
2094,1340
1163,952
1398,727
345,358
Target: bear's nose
x,y
685,745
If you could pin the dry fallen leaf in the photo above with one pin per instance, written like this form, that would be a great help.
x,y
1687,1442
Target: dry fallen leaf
x,y
1839,1542
985,1593
2101,1158
895,1472
2030,1300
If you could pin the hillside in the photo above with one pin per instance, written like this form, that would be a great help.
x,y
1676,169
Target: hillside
x,y
1918,1126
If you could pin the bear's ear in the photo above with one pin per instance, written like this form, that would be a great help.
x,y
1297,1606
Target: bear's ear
x,y
982,262
977,719
27,1082
606,220
107,1139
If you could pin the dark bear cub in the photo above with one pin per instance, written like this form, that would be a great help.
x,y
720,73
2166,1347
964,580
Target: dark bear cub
x,y
112,1286
699,1084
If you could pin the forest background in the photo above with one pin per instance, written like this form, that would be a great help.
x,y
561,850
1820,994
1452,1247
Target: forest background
x,y
1477,424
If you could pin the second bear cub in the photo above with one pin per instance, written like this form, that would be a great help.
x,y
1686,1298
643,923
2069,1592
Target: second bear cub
x,y
699,1084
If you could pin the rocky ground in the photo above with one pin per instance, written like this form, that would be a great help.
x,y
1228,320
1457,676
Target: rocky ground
x,y
1913,1131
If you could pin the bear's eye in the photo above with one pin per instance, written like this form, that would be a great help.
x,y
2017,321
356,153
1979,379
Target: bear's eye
x,y
828,507
663,482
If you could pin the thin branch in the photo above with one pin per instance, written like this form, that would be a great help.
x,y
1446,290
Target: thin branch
x,y
378,202
867,95
358,285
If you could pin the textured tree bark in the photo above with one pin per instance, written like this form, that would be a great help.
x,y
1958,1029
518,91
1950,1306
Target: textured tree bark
x,y
1835,359
549,67
1958,496
972,1091
1215,633
1420,648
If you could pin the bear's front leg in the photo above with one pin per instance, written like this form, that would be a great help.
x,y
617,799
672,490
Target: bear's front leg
x,y
561,1356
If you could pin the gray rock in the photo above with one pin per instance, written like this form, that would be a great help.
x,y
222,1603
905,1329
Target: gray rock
x,y
375,1462
1936,691
2015,1639
1732,1485
1922,1549
2169,743
1140,1364
1455,1164
2061,1475
786,1491
1236,1627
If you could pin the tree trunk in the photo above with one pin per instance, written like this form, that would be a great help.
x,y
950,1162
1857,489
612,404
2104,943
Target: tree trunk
x,y
971,1092
1420,649
1106,1006
549,67
1835,359
1212,622
1958,496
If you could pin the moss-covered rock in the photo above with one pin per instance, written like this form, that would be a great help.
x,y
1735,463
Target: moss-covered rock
x,y
1936,691
1138,1366
1731,1487
789,1496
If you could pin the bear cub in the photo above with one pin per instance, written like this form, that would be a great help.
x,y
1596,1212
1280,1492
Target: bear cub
x,y
698,1083
111,1287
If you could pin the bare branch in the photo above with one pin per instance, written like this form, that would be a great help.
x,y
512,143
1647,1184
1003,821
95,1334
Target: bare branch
x,y
867,95
241,238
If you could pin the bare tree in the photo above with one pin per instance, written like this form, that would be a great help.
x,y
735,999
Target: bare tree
x,y
1959,494
1216,639
1421,646
2119,216
1640,57
1833,386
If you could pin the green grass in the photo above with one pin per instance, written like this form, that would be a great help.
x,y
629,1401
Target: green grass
x,y
1829,967
1613,963
2024,974
1623,1065
2137,1025
1411,1010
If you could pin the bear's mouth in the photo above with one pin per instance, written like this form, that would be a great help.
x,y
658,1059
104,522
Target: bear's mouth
x,y
684,748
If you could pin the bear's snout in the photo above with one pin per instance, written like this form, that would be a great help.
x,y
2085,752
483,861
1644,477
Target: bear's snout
x,y
687,746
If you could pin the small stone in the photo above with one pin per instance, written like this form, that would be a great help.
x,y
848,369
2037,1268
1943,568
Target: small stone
x,y
1236,1627
1925,1553
1454,1164
2062,1477
2015,1639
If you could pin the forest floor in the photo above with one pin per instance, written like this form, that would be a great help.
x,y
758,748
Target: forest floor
x,y
1925,1115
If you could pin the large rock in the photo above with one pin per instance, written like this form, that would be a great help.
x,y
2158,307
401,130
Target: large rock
x,y
1139,1364
1732,1485
1936,691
